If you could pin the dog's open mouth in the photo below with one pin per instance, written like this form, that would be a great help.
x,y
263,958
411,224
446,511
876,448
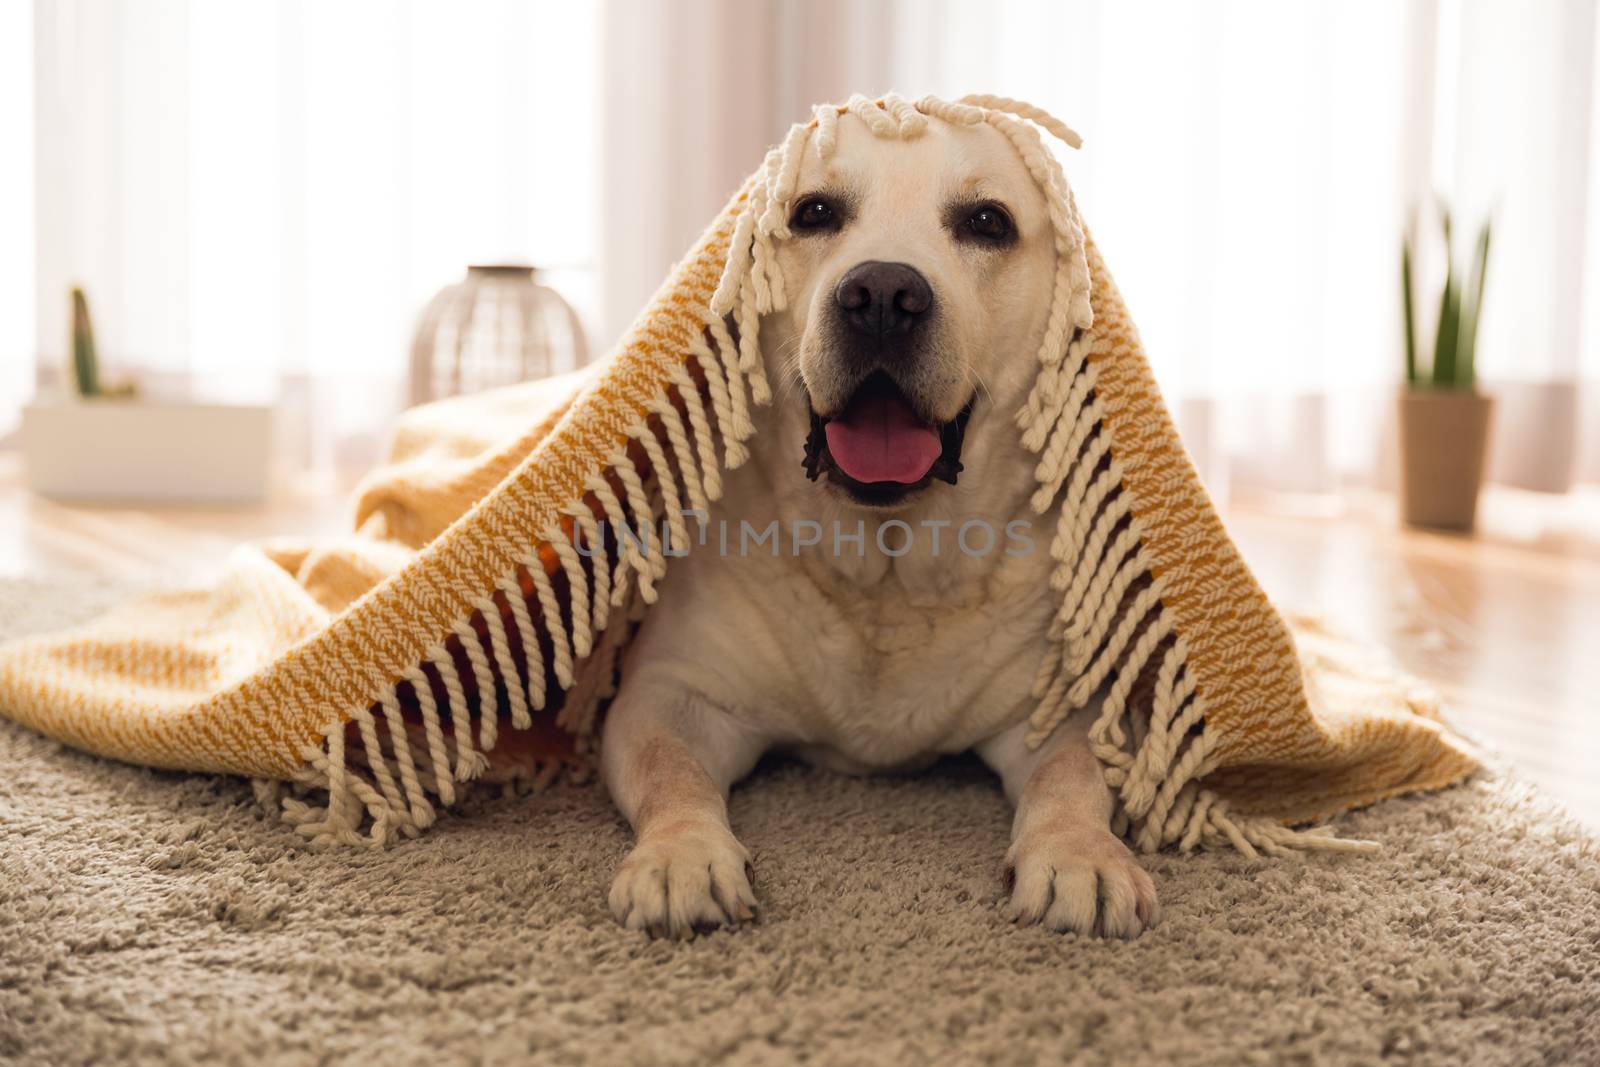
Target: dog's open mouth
x,y
879,448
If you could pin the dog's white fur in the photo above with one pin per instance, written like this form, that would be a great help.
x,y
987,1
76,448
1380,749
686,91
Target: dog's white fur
x,y
855,658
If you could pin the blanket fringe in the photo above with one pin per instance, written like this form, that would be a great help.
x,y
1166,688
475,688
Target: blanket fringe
x,y
552,627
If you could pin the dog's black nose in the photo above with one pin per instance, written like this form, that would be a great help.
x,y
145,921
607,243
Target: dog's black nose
x,y
880,298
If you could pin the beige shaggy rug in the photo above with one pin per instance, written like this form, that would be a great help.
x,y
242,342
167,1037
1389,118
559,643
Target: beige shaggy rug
x,y
159,917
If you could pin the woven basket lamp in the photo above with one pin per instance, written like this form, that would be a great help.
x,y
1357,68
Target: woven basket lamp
x,y
497,326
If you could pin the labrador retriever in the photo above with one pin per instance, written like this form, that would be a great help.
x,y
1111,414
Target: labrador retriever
x,y
878,596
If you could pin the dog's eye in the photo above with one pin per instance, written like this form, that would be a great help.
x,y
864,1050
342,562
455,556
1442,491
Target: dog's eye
x,y
814,213
991,224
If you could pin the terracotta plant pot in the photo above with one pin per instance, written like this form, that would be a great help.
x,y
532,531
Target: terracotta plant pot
x,y
1443,437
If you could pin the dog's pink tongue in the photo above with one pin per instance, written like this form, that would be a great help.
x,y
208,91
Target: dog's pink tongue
x,y
880,439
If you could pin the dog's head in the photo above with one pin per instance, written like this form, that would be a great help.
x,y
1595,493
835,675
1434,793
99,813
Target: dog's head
x,y
919,276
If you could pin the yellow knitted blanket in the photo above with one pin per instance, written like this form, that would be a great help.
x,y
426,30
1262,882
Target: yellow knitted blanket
x,y
373,674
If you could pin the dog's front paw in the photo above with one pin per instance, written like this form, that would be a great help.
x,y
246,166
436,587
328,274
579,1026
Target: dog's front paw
x,y
1082,880
683,878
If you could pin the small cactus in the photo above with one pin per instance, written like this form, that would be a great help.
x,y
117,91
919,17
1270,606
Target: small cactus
x,y
85,365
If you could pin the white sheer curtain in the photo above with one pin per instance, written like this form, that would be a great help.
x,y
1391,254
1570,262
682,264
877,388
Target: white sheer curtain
x,y
1249,167
1518,136
260,195
16,210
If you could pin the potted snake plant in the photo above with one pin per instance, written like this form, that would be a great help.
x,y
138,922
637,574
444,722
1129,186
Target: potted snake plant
x,y
1444,419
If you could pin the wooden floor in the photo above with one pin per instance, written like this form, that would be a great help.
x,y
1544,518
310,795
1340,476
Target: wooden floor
x,y
1506,624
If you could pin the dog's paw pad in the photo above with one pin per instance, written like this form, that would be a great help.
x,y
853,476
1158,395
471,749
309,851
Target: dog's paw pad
x,y
1086,882
682,879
